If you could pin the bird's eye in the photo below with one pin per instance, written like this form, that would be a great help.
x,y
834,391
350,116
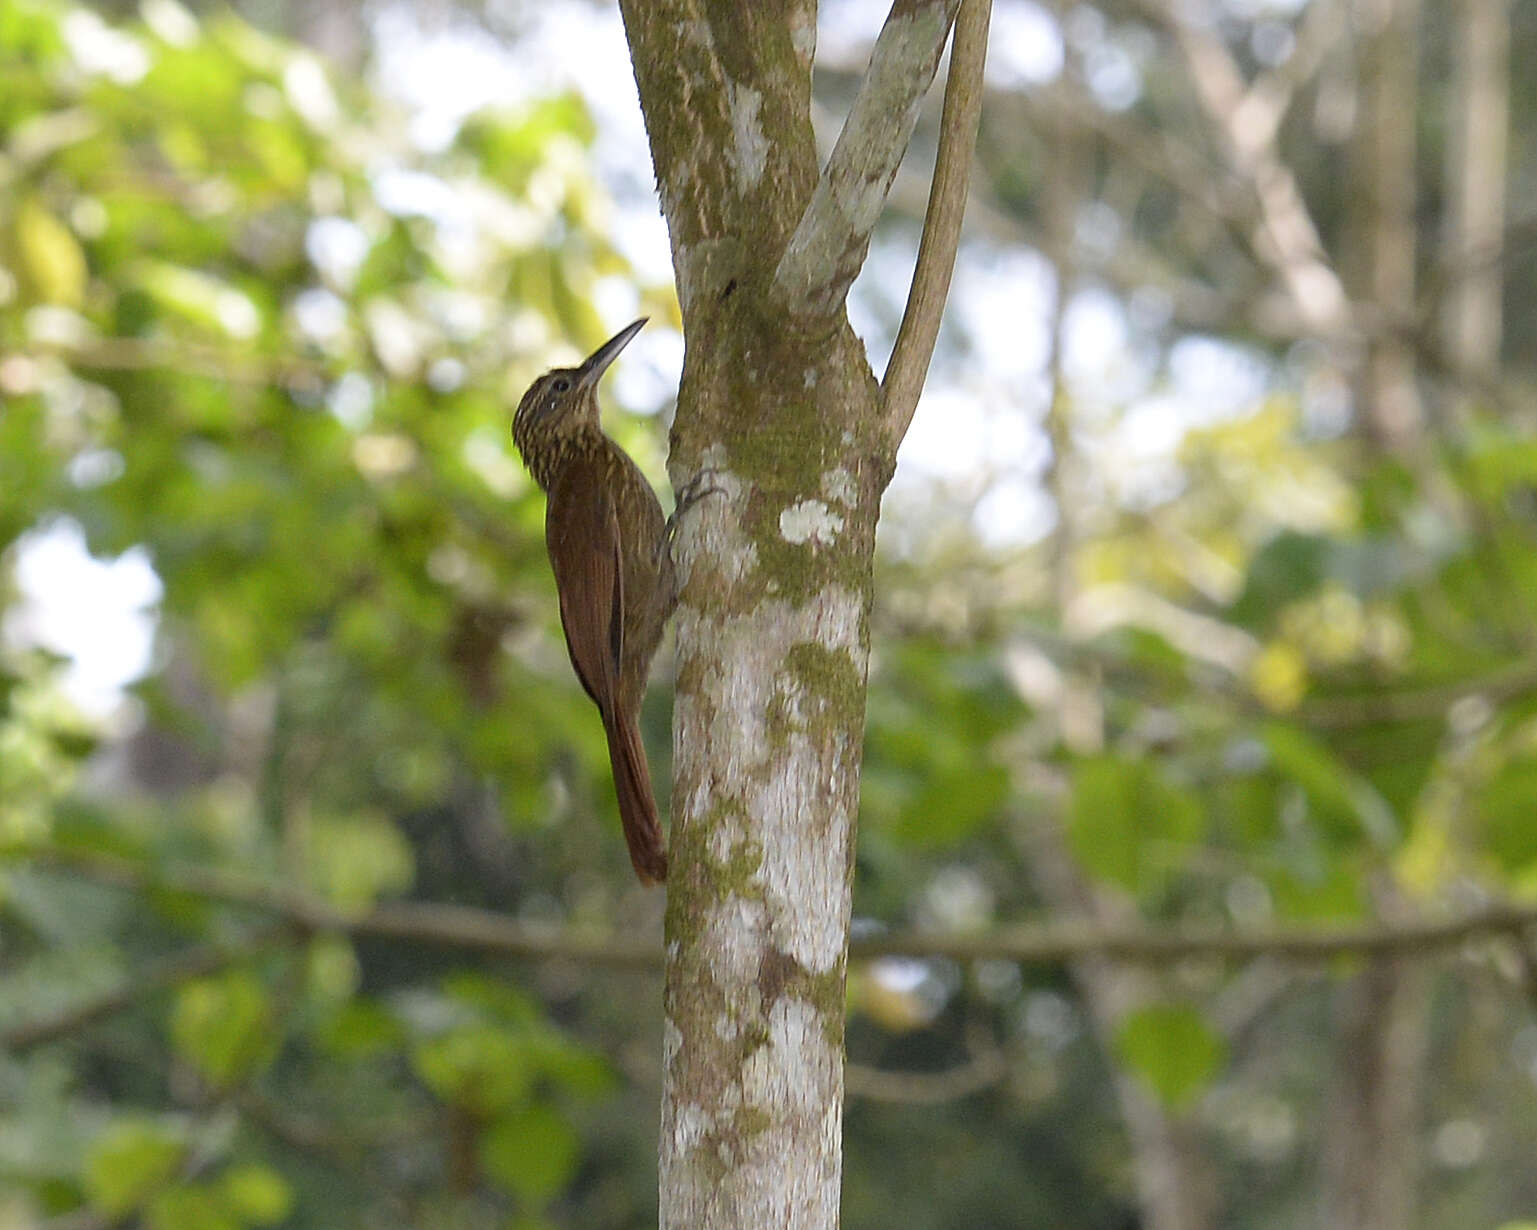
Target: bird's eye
x,y
562,385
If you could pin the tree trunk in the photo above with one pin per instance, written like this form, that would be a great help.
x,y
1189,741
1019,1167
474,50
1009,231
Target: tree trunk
x,y
1386,147
779,406
1475,183
1175,1186
1372,1131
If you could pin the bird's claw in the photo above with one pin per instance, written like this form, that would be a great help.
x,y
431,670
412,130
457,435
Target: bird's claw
x,y
692,492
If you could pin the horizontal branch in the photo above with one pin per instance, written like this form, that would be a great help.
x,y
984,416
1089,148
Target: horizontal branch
x,y
923,1088
1053,944
451,926
226,364
1034,944
198,962
829,243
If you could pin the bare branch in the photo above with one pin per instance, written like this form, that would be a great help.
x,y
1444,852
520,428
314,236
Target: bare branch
x,y
1049,945
1286,237
914,346
1270,96
425,922
828,247
987,1066
1031,944
196,962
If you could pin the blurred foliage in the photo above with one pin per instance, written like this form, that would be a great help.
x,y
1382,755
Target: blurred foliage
x,y
247,327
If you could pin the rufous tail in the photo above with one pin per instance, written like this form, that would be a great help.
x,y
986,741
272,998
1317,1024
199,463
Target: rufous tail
x,y
637,805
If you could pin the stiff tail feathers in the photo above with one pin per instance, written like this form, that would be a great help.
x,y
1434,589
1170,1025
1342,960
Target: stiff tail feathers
x,y
637,804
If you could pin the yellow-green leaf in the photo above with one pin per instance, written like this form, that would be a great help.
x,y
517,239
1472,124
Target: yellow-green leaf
x,y
128,1163
52,261
1172,1048
531,1153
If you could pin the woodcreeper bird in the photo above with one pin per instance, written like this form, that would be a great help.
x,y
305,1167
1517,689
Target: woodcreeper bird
x,y
610,551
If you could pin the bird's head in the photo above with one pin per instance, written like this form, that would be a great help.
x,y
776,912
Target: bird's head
x,y
567,397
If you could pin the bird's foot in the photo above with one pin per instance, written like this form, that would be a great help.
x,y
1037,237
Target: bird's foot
x,y
693,491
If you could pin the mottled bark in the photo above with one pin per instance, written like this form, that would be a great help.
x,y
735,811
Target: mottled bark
x,y
779,404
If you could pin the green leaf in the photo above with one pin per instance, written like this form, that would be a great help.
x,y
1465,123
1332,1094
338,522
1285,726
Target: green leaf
x,y
50,257
353,860
222,1026
1507,810
359,1029
1334,790
1172,1049
531,1153
481,1068
256,1194
128,1163
201,298
1129,824
332,971
1288,567
185,1207
1317,886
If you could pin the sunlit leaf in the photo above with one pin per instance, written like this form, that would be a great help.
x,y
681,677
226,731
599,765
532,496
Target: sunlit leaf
x,y
189,1207
356,859
129,1163
531,1153
1172,1049
1339,795
222,1026
256,1194
1507,809
481,1068
50,256
1128,823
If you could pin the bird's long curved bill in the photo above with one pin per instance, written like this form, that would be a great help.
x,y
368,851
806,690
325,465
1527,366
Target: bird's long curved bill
x,y
597,362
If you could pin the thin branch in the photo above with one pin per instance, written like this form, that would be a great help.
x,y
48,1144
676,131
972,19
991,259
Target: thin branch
x,y
828,247
1271,94
425,922
926,1088
157,976
1034,944
1411,704
1050,945
131,354
914,346
1286,238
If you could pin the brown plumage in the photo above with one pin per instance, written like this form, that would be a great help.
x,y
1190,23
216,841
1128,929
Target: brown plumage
x,y
607,540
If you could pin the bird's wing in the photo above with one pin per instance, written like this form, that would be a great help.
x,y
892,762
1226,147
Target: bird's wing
x,y
581,530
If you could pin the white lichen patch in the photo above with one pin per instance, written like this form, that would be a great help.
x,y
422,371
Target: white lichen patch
x,y
810,521
838,486
832,619
749,146
732,933
689,1124
797,1069
795,868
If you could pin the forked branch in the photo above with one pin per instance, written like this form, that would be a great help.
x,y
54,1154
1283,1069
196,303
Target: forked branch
x,y
828,246
914,347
